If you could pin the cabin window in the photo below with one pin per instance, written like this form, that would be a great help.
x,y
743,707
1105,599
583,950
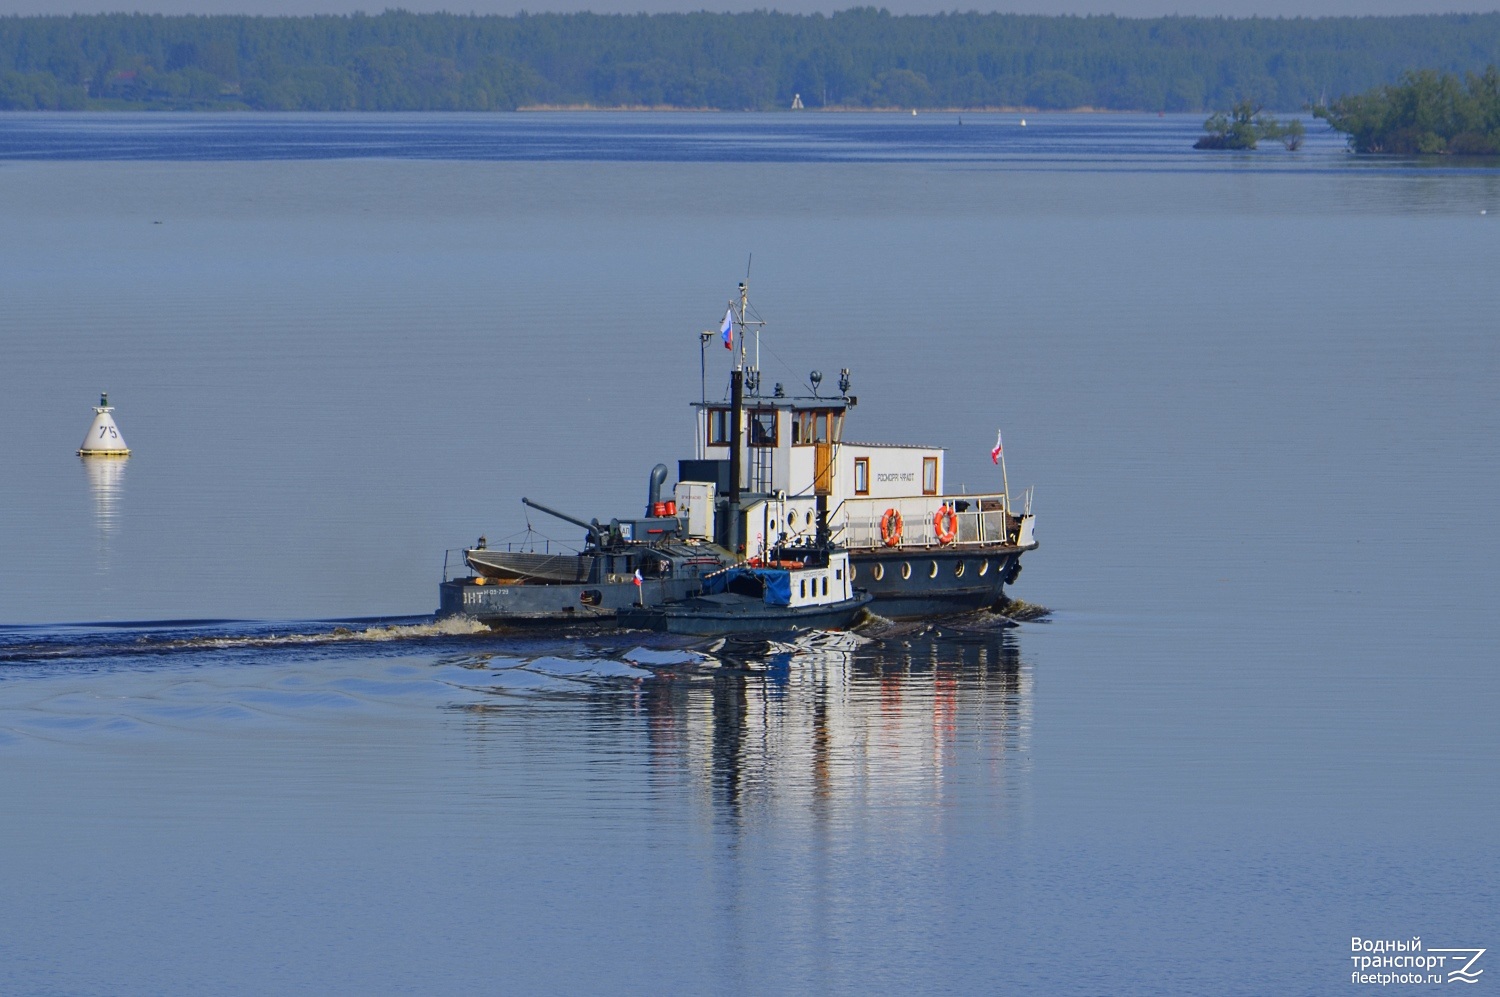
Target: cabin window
x,y
763,428
804,588
861,475
802,429
720,427
929,475
820,426
825,584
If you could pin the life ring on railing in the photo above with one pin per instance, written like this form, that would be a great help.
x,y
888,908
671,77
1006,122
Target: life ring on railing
x,y
946,525
890,528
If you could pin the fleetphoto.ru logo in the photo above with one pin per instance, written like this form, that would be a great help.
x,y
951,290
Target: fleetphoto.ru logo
x,y
1405,962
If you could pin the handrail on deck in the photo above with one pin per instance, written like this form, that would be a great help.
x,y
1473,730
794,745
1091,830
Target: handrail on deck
x,y
986,519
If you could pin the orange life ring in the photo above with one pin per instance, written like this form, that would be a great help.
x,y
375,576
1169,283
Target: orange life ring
x,y
946,524
890,528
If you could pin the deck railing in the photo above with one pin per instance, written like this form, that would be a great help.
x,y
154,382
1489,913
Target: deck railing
x,y
980,519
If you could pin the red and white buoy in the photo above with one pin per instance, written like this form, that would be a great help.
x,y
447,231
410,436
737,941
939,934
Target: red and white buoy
x,y
103,438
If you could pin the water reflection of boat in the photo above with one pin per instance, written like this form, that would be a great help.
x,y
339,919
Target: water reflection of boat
x,y
885,721
800,730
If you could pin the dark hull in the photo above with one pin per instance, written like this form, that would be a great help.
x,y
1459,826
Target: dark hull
x,y
919,592
520,605
709,617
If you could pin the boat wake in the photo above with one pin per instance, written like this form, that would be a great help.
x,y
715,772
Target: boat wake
x,y
30,645
453,638
451,626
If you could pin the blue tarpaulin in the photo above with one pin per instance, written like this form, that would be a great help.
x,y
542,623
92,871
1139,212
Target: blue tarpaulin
x,y
778,586
776,582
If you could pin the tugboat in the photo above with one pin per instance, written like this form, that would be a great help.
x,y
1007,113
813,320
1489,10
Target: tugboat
x,y
765,461
772,481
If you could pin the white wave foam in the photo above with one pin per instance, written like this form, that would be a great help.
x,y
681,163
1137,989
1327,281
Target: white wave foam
x,y
450,626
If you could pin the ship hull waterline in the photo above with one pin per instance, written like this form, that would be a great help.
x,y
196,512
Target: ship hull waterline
x,y
708,618
548,604
897,594
911,583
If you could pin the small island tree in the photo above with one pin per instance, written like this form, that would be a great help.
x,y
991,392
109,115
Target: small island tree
x,y
1246,124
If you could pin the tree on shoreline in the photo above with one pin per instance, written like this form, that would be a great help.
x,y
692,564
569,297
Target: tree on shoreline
x,y
864,57
1426,113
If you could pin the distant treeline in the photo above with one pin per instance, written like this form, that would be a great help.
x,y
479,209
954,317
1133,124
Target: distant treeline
x,y
863,57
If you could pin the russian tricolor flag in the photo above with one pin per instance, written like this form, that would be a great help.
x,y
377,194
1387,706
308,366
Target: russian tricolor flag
x,y
999,449
727,329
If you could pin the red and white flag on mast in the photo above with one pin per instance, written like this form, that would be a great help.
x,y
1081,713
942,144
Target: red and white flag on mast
x,y
999,449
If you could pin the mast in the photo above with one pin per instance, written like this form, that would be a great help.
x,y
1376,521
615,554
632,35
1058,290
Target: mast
x,y
741,378
736,417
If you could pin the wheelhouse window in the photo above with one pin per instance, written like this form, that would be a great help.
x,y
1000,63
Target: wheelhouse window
x,y
817,426
929,475
861,475
763,427
720,427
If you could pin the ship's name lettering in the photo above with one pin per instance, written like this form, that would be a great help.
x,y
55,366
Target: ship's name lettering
x,y
896,476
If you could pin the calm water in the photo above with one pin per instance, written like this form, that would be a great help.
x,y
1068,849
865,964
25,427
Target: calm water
x,y
1256,394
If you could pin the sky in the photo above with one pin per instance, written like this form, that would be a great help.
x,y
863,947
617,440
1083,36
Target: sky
x,y
1124,8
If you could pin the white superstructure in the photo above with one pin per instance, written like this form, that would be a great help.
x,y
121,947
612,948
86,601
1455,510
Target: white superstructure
x,y
879,495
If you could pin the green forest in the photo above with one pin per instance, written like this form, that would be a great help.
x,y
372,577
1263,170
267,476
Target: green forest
x,y
1426,113
859,58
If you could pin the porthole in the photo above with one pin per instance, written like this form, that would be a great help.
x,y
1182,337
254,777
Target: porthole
x,y
791,518
958,569
773,526
853,572
905,570
932,572
984,568
878,572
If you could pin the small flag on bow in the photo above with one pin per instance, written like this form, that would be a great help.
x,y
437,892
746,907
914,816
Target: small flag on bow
x,y
727,329
999,449
638,578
